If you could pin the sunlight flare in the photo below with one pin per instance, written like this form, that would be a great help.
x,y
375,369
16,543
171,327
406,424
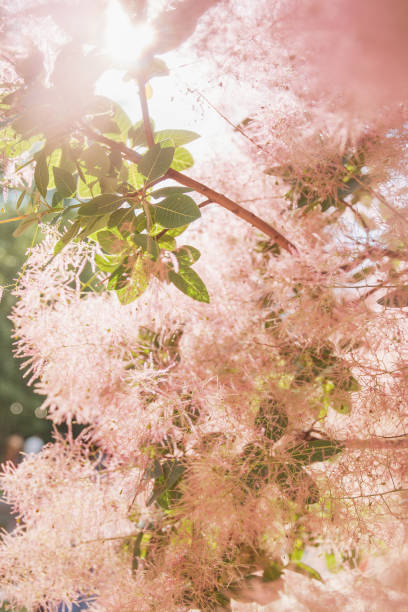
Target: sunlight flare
x,y
124,41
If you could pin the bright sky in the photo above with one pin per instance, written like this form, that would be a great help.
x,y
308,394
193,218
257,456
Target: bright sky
x,y
169,106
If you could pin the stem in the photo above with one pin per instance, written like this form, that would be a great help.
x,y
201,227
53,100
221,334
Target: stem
x,y
237,128
397,443
381,198
364,495
204,203
145,112
356,214
14,219
209,193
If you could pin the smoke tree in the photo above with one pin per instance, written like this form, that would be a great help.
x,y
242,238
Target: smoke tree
x,y
222,352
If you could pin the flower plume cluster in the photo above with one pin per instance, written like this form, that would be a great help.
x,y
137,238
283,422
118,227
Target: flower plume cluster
x,y
211,455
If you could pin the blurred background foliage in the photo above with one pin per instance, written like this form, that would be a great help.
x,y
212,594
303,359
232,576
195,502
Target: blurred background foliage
x,y
19,406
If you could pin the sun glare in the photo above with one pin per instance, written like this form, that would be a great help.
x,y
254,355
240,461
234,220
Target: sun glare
x,y
124,41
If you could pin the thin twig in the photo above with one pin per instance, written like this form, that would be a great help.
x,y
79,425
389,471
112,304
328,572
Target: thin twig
x,y
237,128
205,203
381,198
209,193
363,496
356,214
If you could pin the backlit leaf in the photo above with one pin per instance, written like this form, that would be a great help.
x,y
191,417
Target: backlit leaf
x,y
20,199
65,182
67,237
315,450
175,138
110,242
101,205
187,255
176,211
168,191
156,162
41,175
147,243
188,281
182,159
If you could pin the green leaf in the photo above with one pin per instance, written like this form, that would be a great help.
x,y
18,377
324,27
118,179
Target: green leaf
x,y
67,159
341,404
175,138
302,568
111,118
139,223
349,384
119,277
177,231
56,198
315,451
188,281
101,205
187,255
167,242
90,189
120,216
148,244
273,419
395,299
93,225
110,242
53,159
108,184
130,284
137,134
156,162
25,224
155,228
135,179
105,124
96,160
296,483
41,174
331,562
136,551
65,182
107,263
182,159
172,474
20,199
121,119
168,191
176,211
272,572
67,237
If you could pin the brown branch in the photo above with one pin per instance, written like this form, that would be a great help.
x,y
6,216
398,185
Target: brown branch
x,y
145,112
209,193
397,443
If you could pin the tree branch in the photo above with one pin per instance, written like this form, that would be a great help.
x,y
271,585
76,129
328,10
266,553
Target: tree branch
x,y
209,193
145,112
397,443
